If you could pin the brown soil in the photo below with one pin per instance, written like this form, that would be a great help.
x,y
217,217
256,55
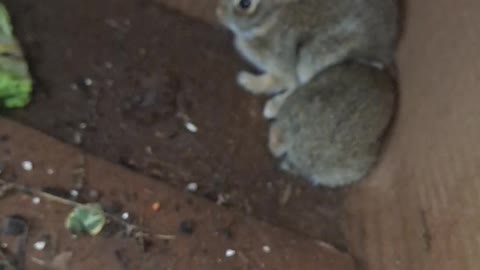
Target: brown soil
x,y
151,70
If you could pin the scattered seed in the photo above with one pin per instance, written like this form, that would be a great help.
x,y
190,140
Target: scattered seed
x,y
36,200
192,187
27,165
74,193
287,194
266,249
50,171
125,215
88,82
191,127
230,253
77,138
40,245
222,199
156,206
82,125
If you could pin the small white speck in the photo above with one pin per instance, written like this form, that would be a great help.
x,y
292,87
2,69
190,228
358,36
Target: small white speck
x,y
125,216
74,193
77,138
108,65
222,199
40,245
36,200
82,125
4,245
192,187
266,249
191,127
230,253
27,165
50,171
88,82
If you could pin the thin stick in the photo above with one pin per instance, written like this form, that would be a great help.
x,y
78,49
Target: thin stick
x,y
50,197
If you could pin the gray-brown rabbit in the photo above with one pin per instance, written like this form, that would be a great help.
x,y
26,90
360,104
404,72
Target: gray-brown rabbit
x,y
291,41
330,130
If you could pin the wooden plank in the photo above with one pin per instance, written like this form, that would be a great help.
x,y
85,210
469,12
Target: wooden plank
x,y
206,246
420,209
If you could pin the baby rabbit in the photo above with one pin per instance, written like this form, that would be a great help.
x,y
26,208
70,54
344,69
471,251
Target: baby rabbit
x,y
291,41
329,130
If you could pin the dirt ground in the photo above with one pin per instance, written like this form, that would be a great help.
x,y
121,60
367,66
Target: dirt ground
x,y
121,79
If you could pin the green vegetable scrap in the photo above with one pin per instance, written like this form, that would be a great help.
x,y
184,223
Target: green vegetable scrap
x,y
15,79
86,219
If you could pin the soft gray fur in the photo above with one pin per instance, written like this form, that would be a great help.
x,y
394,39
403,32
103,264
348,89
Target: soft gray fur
x,y
330,130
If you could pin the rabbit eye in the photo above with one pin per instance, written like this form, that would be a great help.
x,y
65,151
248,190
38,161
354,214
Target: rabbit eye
x,y
245,4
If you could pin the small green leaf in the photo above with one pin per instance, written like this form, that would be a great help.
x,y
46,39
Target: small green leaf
x,y
15,80
86,219
5,26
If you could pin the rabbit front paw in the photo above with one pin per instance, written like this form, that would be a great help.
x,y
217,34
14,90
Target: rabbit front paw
x,y
274,104
276,142
258,84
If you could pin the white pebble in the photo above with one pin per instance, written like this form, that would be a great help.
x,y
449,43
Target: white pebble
x,y
88,82
40,245
266,249
191,127
50,171
74,193
125,216
27,165
230,253
36,200
192,187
